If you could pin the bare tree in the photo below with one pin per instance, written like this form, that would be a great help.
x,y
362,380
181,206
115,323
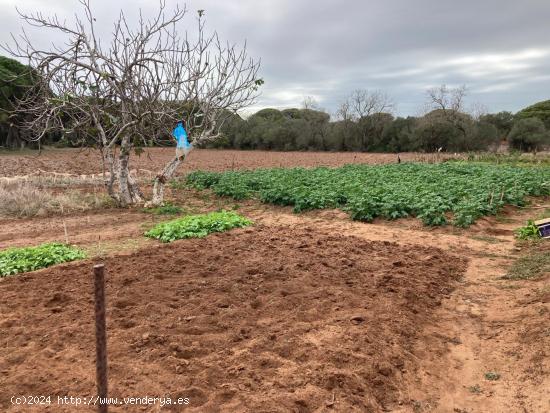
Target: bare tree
x,y
345,116
309,102
366,105
132,92
446,99
477,110
344,112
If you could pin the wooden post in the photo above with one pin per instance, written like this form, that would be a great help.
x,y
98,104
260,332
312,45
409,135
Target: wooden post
x,y
100,337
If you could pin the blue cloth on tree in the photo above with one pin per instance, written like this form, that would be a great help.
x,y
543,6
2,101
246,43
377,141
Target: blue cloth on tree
x,y
181,137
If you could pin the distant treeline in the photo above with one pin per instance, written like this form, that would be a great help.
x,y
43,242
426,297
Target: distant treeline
x,y
439,130
362,124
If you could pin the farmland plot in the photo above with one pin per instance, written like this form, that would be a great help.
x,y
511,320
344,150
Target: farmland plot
x,y
456,192
296,312
328,320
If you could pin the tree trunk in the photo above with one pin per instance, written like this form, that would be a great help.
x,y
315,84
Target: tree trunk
x,y
128,192
161,179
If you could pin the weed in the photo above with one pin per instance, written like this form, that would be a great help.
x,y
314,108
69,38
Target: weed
x,y
528,232
529,266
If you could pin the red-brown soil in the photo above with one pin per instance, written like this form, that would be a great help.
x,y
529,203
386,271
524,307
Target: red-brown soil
x,y
88,161
328,322
217,302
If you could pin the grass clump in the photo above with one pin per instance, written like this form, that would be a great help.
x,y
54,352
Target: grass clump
x,y
197,226
533,265
28,200
166,209
16,260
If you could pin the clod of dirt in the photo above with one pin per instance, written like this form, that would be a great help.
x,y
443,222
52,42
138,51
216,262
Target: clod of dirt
x,y
357,319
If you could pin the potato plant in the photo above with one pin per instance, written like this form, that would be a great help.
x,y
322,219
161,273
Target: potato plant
x,y
436,193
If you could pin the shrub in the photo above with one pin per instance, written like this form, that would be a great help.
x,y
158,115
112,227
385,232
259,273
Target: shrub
x,y
197,226
529,135
16,260
540,110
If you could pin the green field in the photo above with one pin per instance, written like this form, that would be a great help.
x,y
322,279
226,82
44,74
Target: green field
x,y
457,193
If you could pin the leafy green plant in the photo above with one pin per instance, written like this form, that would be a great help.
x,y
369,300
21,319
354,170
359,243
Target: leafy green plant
x,y
166,209
456,192
528,232
197,226
16,260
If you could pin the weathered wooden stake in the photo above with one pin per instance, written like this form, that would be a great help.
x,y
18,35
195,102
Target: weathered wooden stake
x,y
100,337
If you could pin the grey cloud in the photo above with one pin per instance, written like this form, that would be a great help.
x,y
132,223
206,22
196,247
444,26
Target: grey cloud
x,y
323,48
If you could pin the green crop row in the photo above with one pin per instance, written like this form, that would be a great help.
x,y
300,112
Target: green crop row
x,y
16,260
435,193
197,226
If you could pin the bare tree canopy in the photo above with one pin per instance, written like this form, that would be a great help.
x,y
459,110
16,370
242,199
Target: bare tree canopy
x,y
365,103
445,98
131,91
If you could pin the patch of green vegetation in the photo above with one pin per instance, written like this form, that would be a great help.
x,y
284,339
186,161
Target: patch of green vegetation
x,y
476,389
513,158
529,266
197,226
16,260
166,209
431,192
492,376
528,232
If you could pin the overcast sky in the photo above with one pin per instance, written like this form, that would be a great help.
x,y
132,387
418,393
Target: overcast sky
x,y
500,49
